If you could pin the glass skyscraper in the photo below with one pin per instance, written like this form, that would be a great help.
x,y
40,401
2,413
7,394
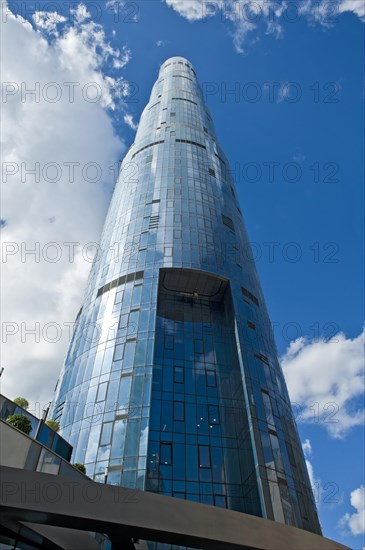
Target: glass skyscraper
x,y
172,382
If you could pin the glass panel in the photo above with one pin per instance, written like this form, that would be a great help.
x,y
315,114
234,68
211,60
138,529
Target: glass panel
x,y
213,414
166,453
268,409
106,433
179,375
124,392
102,392
129,355
204,456
169,342
276,451
93,444
48,463
211,379
118,438
132,437
179,413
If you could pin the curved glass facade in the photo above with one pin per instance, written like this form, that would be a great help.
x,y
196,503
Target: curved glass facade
x,y
172,382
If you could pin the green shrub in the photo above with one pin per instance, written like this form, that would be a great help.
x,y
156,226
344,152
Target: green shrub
x,y
21,422
22,402
53,424
79,467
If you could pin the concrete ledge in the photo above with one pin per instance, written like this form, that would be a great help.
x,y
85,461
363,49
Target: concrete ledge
x,y
82,504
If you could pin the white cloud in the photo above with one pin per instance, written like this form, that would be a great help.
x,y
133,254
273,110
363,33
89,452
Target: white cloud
x,y
315,482
192,10
38,130
81,13
161,43
114,5
124,10
356,521
268,16
324,492
311,475
48,21
249,16
85,50
355,6
128,119
307,447
240,34
324,380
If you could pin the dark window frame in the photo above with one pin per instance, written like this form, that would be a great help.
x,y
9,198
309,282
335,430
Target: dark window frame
x,y
166,339
201,462
177,417
207,378
182,371
168,447
210,415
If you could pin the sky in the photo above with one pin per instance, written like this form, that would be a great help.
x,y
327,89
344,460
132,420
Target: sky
x,y
284,82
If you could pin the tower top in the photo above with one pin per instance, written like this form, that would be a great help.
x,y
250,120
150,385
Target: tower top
x,y
177,60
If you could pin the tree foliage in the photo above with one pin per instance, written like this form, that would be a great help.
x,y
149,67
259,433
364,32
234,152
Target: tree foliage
x,y
21,422
22,402
79,467
53,424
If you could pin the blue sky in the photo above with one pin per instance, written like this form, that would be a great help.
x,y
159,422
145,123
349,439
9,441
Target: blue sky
x,y
294,134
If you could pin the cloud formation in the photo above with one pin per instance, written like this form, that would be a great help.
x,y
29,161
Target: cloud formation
x,y
128,119
59,153
247,20
326,380
355,6
48,21
315,482
307,447
192,10
356,522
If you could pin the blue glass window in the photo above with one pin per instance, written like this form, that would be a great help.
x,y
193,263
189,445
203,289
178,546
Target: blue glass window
x,y
166,453
179,411
204,456
129,355
102,392
211,379
179,375
169,342
106,433
124,391
213,414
